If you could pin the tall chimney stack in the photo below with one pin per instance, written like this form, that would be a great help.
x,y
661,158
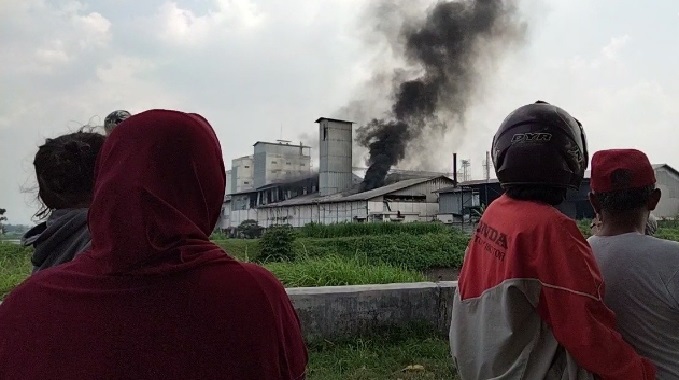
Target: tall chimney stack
x,y
335,154
455,169
488,166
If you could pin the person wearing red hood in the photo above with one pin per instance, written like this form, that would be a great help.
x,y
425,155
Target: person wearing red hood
x,y
153,298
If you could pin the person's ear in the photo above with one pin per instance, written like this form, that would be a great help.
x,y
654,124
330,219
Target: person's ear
x,y
595,203
654,199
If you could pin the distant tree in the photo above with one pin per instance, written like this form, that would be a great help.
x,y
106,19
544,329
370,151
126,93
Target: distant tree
x,y
2,218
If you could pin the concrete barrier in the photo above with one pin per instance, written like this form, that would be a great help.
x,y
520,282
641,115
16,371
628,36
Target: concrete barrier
x,y
331,312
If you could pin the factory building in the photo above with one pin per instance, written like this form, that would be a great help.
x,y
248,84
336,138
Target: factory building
x,y
224,221
667,180
457,203
333,194
242,175
228,183
402,201
274,162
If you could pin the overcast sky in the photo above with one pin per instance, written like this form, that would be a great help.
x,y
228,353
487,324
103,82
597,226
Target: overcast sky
x,y
254,68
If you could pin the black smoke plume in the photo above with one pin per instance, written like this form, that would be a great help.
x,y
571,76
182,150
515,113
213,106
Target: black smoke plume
x,y
446,46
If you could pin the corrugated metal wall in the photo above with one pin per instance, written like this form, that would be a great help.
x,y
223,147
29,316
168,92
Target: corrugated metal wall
x,y
668,182
299,216
426,188
237,217
450,203
326,213
454,203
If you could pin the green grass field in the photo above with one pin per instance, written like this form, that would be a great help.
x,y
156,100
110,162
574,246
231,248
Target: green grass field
x,y
443,249
350,254
408,353
15,266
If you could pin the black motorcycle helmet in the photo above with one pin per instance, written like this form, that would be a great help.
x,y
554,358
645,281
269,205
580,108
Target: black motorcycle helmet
x,y
540,145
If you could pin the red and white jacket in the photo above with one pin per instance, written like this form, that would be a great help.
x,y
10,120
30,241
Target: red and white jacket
x,y
529,303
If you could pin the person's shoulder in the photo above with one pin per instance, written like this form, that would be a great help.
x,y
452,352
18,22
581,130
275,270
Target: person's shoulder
x,y
256,270
663,244
537,210
27,290
262,276
32,235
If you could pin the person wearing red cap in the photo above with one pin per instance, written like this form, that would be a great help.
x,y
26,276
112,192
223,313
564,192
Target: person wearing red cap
x,y
641,272
529,301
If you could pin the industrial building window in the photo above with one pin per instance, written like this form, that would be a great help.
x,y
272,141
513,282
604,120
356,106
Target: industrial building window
x,y
246,166
325,132
274,162
246,182
287,163
302,164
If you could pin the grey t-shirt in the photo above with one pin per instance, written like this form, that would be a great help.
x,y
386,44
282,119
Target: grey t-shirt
x,y
641,277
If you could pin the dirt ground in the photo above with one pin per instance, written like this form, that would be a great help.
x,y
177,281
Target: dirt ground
x,y
442,274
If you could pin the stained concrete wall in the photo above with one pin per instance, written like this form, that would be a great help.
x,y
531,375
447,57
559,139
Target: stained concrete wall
x,y
332,312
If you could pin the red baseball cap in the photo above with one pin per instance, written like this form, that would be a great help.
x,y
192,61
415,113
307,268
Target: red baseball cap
x,y
620,169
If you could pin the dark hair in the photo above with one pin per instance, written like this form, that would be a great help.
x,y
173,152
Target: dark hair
x,y
545,194
65,170
625,200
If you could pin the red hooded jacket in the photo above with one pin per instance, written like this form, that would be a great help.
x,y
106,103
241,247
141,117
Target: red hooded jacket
x,y
153,298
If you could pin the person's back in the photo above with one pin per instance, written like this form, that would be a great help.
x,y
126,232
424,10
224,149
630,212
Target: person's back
x,y
641,272
529,302
229,320
153,298
642,288
516,255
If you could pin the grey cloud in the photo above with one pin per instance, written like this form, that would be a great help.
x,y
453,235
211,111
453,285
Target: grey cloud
x,y
308,59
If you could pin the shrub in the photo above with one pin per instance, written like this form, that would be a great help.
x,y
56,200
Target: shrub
x,y
668,234
218,235
668,223
15,266
277,244
334,270
346,229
